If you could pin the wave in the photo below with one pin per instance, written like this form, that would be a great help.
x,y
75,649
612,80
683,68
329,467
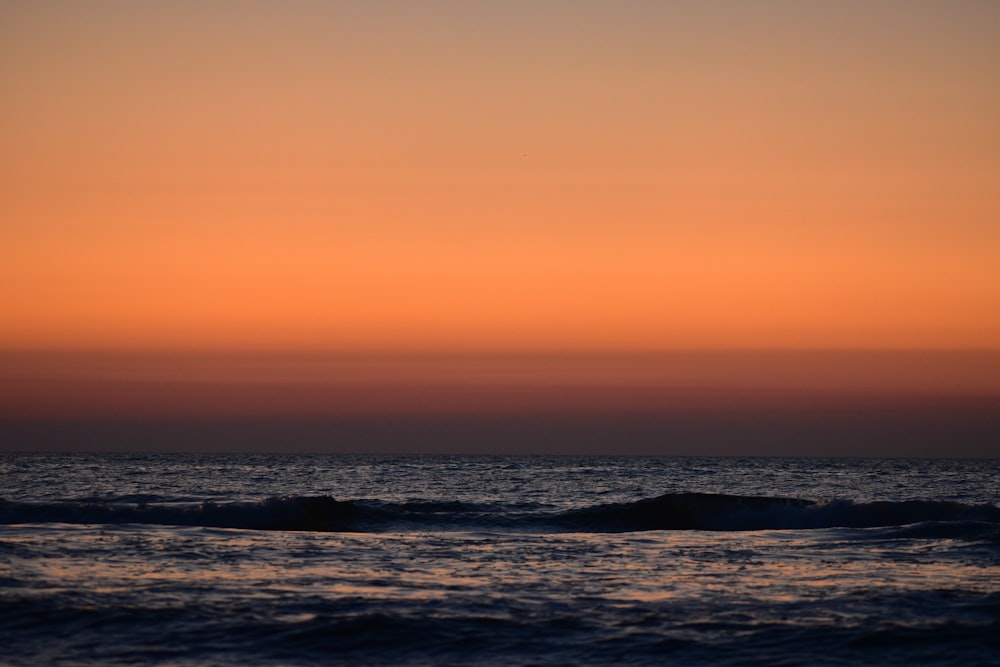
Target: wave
x,y
316,513
701,511
676,511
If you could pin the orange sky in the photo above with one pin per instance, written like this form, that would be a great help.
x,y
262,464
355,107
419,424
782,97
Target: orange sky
x,y
499,176
558,226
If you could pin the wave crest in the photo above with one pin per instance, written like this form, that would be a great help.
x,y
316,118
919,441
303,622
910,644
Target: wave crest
x,y
675,511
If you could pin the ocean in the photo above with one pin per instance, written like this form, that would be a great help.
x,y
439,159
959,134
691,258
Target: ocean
x,y
450,560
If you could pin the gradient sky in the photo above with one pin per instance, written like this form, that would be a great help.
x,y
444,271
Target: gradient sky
x,y
407,178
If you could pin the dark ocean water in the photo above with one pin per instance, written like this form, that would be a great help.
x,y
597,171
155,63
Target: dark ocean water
x,y
309,560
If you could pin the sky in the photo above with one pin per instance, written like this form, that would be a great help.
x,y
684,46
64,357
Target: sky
x,y
489,207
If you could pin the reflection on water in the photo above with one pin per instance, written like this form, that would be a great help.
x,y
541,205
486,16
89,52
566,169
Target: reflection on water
x,y
481,589
752,571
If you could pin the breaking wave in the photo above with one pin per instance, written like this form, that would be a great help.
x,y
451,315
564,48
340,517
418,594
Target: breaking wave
x,y
676,511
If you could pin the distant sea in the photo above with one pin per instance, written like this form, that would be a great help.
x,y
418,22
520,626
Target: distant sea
x,y
450,560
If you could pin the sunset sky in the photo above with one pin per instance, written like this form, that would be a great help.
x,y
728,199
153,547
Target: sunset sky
x,y
419,181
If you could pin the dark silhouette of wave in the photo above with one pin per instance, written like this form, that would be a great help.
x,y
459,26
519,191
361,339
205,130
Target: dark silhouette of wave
x,y
703,511
675,511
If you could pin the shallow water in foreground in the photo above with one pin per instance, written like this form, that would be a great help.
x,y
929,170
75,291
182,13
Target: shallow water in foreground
x,y
486,560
